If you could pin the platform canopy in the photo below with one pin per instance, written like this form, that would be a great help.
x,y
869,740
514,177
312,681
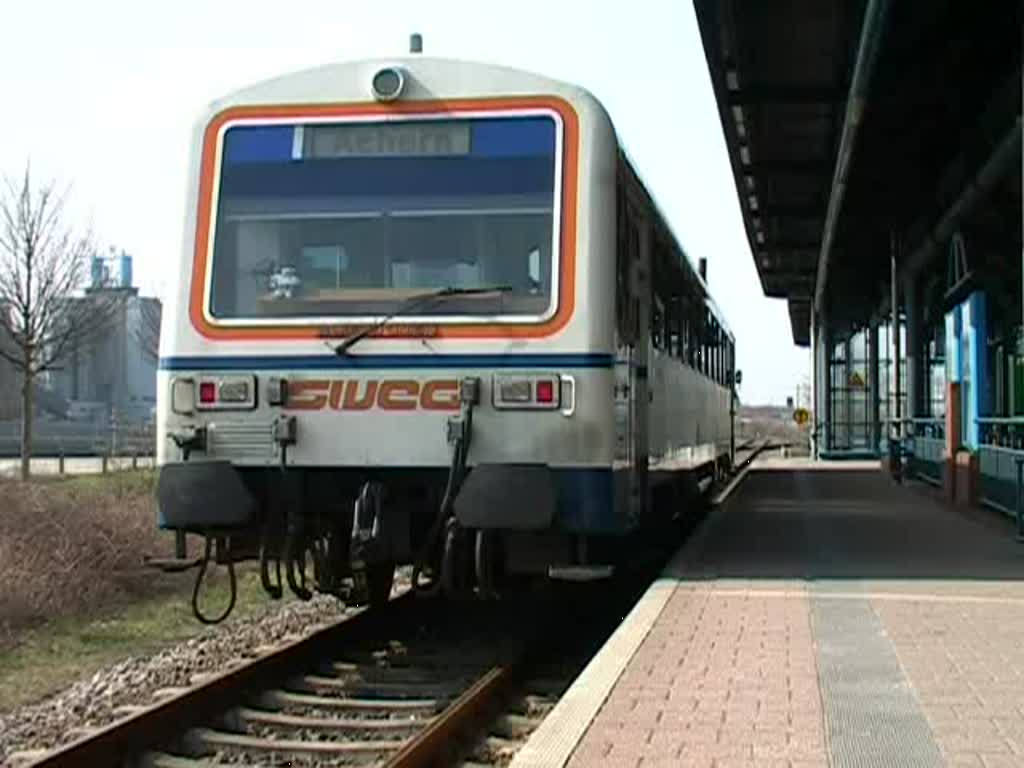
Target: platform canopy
x,y
857,125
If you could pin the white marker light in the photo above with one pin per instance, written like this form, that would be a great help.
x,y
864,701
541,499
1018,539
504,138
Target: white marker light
x,y
388,84
183,396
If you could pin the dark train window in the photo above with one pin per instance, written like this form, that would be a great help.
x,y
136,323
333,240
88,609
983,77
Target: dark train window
x,y
657,323
622,265
673,325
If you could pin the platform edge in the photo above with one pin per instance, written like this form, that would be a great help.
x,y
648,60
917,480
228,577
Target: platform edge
x,y
553,743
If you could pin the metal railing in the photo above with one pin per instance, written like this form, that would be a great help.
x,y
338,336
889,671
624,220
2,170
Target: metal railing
x,y
79,439
920,453
1000,462
1002,431
928,427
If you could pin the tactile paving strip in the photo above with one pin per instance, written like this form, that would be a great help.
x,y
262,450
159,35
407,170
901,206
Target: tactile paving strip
x,y
871,712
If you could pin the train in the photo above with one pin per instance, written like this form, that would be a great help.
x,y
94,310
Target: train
x,y
427,314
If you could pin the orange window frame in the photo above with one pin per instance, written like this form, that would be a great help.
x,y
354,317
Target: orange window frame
x,y
567,244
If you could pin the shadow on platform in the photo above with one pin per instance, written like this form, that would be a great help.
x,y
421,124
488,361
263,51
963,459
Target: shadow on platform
x,y
850,523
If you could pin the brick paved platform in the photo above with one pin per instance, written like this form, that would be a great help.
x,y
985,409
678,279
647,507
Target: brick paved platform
x,y
818,618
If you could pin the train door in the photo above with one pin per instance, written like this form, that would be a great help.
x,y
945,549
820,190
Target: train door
x,y
731,381
625,327
631,360
641,368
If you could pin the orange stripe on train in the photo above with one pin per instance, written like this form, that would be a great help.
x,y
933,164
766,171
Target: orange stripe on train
x,y
570,166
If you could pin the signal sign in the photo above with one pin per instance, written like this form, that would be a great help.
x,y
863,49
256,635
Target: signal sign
x,y
801,416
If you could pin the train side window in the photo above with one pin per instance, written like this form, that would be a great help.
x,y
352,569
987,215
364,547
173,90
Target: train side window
x,y
684,329
718,353
721,356
700,342
632,266
727,373
714,353
657,323
627,245
673,328
705,345
695,332
725,359
714,349
692,326
621,265
724,374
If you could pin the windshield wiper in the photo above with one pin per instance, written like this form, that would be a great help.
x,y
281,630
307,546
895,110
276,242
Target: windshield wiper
x,y
413,303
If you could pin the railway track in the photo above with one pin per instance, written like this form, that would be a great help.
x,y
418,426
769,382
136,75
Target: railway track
x,y
417,683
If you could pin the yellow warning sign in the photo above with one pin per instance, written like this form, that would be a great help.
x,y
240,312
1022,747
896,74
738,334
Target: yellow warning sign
x,y
856,380
801,416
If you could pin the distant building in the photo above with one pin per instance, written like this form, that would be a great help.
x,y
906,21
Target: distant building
x,y
10,384
114,374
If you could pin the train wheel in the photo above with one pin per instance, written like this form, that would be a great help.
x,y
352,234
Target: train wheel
x,y
380,577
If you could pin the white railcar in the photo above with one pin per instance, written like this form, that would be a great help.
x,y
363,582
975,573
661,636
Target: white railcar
x,y
427,313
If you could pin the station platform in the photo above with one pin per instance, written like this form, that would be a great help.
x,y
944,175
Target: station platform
x,y
822,616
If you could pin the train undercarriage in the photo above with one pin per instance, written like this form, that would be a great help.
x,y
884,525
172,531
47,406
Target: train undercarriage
x,y
344,531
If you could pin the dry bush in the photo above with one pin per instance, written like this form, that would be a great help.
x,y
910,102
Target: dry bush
x,y
71,546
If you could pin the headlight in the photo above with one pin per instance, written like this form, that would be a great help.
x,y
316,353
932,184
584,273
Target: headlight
x,y
183,396
235,391
388,84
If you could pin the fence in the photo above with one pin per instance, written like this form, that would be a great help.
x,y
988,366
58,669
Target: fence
x,y
1001,444
53,439
926,449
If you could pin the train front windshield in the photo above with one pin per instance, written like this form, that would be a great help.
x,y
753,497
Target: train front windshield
x,y
329,220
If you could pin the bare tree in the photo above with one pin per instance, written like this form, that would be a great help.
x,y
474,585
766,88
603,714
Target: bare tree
x,y
147,333
44,262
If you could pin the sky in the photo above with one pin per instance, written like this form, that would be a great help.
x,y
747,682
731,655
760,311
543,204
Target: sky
x,y
102,96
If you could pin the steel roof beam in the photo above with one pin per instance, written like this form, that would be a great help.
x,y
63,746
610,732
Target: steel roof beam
x,y
775,93
868,49
792,210
1005,154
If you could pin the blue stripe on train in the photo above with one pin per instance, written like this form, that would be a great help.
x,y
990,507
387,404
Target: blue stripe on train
x,y
517,137
494,137
364,178
258,144
335,362
586,501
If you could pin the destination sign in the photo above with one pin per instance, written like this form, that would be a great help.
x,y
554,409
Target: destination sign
x,y
449,137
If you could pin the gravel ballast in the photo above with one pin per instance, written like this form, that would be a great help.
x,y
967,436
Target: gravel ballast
x,y
95,702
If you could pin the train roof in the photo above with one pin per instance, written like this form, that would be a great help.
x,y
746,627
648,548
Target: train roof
x,y
430,77
683,255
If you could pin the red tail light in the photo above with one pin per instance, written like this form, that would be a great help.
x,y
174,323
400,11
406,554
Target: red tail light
x,y
207,392
526,392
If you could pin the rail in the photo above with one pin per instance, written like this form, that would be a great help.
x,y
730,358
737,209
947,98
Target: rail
x,y
413,684
416,735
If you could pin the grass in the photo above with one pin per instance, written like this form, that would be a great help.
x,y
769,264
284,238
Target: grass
x,y
50,656
76,596
122,481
